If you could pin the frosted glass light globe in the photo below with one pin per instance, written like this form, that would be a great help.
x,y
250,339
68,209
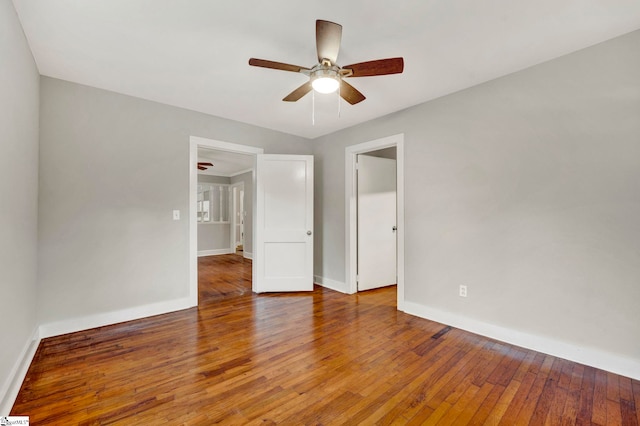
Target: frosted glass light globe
x,y
325,84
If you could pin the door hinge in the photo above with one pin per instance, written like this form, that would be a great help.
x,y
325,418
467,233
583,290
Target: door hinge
x,y
357,278
357,165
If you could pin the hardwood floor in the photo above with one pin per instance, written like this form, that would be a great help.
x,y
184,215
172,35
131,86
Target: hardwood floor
x,y
319,358
223,276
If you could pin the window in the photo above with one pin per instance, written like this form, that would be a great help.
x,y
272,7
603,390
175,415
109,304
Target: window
x,y
213,203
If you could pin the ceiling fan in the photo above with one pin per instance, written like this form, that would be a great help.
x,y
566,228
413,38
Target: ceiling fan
x,y
327,76
204,166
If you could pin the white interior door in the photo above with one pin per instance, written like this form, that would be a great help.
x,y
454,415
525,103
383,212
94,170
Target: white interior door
x,y
377,243
283,255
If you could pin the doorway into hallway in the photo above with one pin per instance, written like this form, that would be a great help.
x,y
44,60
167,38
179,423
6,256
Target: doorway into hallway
x,y
223,276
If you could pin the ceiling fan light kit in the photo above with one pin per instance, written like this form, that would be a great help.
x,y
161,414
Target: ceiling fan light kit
x,y
327,76
325,85
325,80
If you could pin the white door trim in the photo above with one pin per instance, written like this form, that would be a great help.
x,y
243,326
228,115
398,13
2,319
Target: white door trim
x,y
194,143
234,219
351,241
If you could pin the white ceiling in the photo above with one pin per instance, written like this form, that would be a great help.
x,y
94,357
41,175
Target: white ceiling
x,y
193,54
224,163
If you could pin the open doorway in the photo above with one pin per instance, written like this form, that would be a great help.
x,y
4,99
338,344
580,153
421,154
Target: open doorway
x,y
224,266
380,148
224,178
376,218
233,167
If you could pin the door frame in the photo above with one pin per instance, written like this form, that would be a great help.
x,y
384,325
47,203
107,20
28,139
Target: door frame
x,y
194,143
240,188
351,218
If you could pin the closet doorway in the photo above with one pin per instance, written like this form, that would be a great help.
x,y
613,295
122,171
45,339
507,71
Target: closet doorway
x,y
351,207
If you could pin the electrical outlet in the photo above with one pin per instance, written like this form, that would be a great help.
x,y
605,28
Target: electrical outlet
x,y
463,291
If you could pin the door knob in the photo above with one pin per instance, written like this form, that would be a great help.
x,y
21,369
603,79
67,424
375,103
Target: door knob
x,y
308,232
394,229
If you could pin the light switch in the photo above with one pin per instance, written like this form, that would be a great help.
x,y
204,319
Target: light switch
x,y
176,215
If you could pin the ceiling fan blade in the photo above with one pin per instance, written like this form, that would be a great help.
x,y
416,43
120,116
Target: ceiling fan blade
x,y
276,65
350,93
378,67
328,36
299,92
202,168
205,164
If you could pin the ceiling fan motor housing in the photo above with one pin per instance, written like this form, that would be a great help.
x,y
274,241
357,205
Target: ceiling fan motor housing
x,y
325,71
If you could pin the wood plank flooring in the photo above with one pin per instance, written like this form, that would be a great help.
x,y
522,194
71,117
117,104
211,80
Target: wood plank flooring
x,y
321,358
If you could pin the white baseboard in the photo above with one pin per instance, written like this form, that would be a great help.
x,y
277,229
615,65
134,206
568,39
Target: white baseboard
x,y
597,358
247,255
99,320
332,284
11,388
215,252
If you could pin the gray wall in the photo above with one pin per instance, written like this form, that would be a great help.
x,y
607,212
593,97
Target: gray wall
x,y
213,179
113,168
19,87
247,178
213,236
527,190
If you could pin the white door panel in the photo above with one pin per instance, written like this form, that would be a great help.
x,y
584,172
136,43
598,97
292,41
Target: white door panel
x,y
284,234
377,243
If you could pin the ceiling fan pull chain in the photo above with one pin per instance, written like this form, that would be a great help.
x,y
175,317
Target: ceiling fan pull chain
x,y
313,107
339,104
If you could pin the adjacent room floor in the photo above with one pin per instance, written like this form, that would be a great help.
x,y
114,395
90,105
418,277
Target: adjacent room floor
x,y
313,358
224,276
